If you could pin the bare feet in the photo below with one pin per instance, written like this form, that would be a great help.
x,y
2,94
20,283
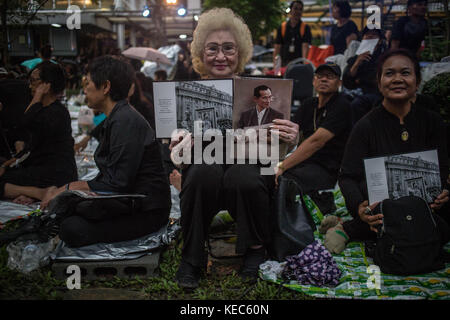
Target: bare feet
x,y
175,179
48,194
23,200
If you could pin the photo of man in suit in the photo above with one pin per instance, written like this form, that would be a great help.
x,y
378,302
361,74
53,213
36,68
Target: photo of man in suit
x,y
262,113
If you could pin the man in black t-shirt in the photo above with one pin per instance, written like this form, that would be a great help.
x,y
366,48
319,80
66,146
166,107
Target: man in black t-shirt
x,y
293,36
409,32
325,123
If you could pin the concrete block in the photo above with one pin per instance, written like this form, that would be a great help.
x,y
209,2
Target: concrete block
x,y
144,267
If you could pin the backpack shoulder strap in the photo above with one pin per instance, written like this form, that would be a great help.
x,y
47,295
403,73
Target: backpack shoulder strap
x,y
283,28
302,28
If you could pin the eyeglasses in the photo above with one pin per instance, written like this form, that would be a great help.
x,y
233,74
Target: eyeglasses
x,y
329,76
228,49
33,80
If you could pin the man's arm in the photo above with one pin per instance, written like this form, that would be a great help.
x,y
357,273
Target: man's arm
x,y
308,147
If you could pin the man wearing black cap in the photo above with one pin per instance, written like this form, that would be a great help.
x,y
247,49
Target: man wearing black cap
x,y
361,71
409,32
325,123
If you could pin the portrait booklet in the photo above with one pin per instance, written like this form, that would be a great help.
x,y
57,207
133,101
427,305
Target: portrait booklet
x,y
220,104
399,175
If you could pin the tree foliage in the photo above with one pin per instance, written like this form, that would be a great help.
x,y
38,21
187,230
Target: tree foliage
x,y
15,12
261,16
439,88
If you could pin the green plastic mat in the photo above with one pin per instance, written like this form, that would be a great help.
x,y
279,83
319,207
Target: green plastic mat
x,y
357,282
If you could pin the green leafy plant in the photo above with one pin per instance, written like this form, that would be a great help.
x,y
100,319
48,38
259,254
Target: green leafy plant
x,y
261,16
439,88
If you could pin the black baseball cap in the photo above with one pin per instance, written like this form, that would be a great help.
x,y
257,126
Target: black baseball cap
x,y
330,66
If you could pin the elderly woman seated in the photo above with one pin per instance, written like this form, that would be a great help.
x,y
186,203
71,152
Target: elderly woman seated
x,y
221,47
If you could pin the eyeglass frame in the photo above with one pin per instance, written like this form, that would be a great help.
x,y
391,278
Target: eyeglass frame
x,y
221,49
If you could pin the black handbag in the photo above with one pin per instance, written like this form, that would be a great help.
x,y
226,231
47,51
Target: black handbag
x,y
293,227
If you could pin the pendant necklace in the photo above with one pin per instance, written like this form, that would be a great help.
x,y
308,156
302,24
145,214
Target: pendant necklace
x,y
405,135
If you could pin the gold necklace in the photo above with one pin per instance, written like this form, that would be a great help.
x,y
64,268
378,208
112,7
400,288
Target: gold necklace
x,y
314,120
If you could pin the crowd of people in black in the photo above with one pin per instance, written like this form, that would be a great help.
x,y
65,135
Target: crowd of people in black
x,y
294,36
328,138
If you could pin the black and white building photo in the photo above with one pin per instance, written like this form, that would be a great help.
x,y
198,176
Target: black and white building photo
x,y
413,174
206,101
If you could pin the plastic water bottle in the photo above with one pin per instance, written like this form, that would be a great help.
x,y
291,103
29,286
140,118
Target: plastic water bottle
x,y
277,65
30,258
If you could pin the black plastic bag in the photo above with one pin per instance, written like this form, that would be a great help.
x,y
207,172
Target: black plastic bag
x,y
293,226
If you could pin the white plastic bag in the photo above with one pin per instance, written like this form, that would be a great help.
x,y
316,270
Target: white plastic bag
x,y
85,119
432,70
30,255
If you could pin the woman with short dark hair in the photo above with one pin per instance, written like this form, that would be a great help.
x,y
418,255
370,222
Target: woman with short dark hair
x,y
128,158
50,145
345,30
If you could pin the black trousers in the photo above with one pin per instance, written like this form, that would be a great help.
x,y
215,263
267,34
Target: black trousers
x,y
107,221
312,177
240,189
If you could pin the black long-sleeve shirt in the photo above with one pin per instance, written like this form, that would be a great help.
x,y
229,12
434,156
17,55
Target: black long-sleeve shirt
x,y
129,158
379,134
365,77
51,142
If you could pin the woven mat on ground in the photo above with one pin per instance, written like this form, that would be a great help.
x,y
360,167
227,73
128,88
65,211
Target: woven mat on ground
x,y
12,211
354,282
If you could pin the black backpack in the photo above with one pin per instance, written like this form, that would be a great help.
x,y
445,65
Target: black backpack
x,y
408,241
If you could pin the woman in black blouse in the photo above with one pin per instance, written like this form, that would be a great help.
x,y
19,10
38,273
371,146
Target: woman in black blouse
x,y
50,145
397,126
345,30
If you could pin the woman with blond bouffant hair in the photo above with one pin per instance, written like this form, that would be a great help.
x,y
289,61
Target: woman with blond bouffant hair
x,y
221,19
221,46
